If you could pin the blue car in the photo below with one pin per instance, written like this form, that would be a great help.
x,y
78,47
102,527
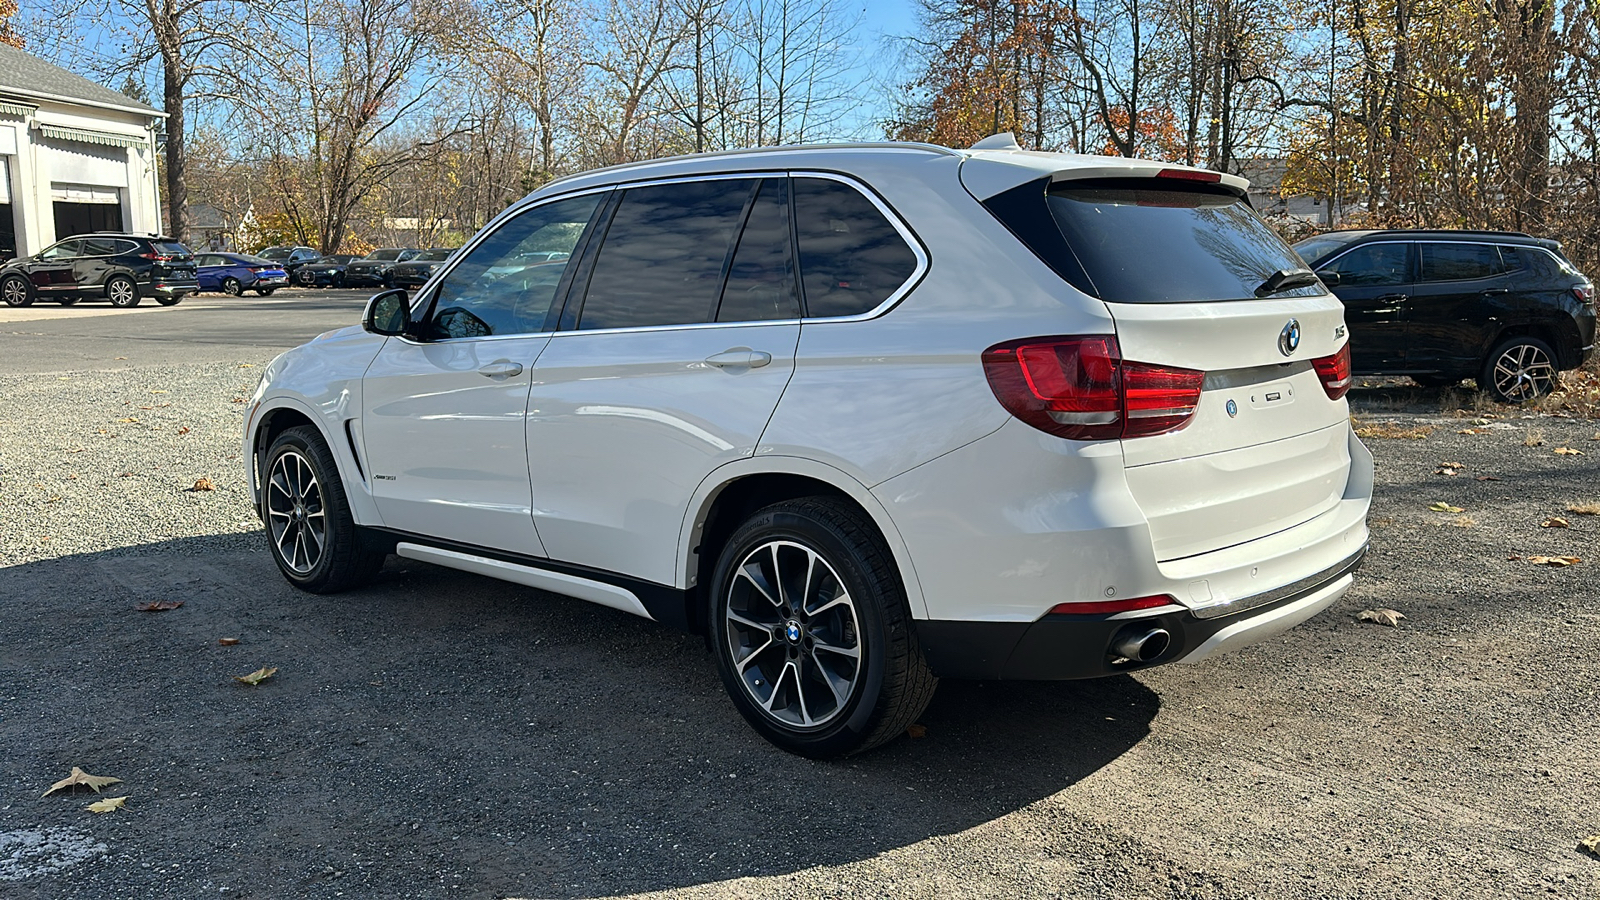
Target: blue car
x,y
235,273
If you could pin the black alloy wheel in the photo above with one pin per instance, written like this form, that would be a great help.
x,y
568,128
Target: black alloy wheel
x,y
811,630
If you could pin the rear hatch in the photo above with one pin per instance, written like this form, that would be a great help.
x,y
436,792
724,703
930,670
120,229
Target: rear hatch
x,y
173,261
1186,270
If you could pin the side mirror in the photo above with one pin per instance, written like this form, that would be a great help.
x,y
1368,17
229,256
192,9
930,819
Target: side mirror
x,y
388,313
1329,279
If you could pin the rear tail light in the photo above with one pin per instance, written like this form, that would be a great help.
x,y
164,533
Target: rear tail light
x,y
1334,371
157,257
1190,175
1111,607
1080,388
1585,294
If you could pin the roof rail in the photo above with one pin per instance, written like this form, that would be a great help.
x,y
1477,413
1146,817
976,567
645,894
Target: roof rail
x,y
750,151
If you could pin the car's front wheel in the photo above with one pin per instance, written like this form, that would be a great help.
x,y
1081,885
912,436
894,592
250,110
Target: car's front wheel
x,y
1520,369
17,291
811,630
122,292
313,538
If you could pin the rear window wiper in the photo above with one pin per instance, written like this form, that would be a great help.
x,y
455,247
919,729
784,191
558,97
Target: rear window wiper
x,y
1284,279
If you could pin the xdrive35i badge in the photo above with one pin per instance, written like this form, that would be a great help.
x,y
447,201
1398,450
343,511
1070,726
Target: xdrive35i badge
x,y
1289,338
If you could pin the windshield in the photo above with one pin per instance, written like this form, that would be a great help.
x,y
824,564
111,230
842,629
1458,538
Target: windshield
x,y
1140,243
1316,249
275,253
385,255
432,256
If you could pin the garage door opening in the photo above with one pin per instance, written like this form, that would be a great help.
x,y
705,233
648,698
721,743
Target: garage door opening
x,y
81,209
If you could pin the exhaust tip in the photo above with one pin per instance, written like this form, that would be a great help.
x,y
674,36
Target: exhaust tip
x,y
1141,644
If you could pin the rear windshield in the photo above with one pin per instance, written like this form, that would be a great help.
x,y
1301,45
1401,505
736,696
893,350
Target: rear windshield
x,y
1143,244
171,248
385,255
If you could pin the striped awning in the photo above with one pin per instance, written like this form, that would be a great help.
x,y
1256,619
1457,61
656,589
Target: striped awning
x,y
86,136
10,108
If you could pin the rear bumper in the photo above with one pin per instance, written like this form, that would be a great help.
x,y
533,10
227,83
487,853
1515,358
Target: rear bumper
x,y
1062,647
168,287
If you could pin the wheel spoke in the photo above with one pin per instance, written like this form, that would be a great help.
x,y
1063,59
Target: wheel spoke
x,y
837,649
749,622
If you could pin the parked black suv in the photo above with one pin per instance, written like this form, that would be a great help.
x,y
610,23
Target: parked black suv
x,y
123,268
1505,308
376,268
291,257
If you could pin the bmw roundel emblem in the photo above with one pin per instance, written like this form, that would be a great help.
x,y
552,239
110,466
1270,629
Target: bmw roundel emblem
x,y
1289,338
791,630
1233,409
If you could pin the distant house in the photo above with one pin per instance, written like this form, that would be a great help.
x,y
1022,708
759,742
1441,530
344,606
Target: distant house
x,y
1271,201
75,157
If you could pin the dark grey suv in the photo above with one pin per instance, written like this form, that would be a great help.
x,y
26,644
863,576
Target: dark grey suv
x,y
1440,306
118,266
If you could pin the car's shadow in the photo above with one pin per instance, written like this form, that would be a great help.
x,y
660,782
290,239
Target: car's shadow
x,y
439,730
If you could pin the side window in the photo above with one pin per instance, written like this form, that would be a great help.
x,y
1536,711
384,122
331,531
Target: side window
x,y
1457,262
99,247
507,284
63,250
663,256
761,280
1374,264
208,261
1510,259
851,257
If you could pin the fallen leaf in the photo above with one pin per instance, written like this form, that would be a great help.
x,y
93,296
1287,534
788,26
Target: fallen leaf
x,y
1441,506
203,484
159,605
247,365
1555,562
917,731
76,449
154,391
183,430
106,805
1591,844
78,777
147,407
227,642
1585,509
258,676
1445,470
1488,478
122,357
1568,451
1380,616
240,400
1513,558
1469,431
1452,465
129,419
1555,522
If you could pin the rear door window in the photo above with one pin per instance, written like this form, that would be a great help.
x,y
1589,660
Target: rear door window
x,y
852,258
664,254
761,279
1458,262
1373,264
1142,242
1510,259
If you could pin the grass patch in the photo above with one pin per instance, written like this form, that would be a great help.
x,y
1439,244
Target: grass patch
x,y
1394,431
1534,437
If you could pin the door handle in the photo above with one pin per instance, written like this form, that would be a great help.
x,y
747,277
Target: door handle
x,y
501,368
1394,298
1496,292
739,358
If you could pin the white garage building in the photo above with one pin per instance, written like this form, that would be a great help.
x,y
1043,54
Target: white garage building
x,y
74,157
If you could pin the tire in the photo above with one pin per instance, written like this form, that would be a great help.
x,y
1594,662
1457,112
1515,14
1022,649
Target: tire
x,y
122,292
1435,381
265,292
1519,369
171,300
17,291
232,287
816,704
68,300
301,489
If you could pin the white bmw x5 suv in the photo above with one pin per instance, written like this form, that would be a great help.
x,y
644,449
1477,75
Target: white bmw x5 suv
x,y
864,415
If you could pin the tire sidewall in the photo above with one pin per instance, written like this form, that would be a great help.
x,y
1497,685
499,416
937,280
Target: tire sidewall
x,y
849,729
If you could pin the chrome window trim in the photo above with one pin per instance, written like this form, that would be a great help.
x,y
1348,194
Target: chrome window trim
x,y
906,234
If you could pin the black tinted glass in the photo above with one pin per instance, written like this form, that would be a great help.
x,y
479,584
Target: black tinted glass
x,y
433,255
1373,264
851,257
385,255
1456,262
100,247
661,263
276,253
1510,259
508,282
1144,244
62,250
170,248
1313,250
761,280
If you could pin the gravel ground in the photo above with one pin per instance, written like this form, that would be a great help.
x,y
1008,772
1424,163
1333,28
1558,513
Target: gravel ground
x,y
441,735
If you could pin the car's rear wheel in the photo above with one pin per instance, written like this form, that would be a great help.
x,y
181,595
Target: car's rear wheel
x,y
232,287
313,538
265,292
1520,369
811,630
169,300
122,292
16,290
